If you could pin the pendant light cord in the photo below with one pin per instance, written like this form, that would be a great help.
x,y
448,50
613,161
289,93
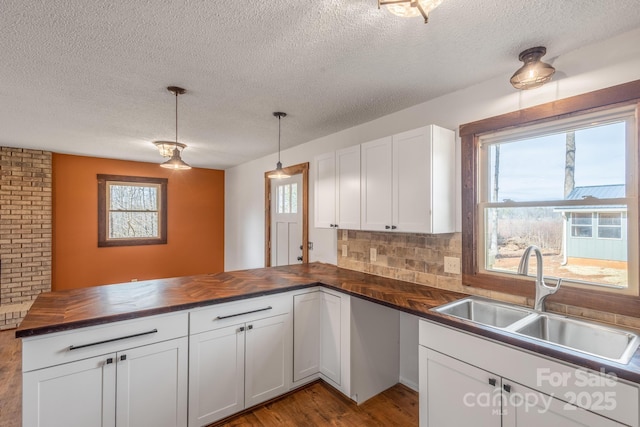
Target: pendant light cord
x,y
176,119
279,118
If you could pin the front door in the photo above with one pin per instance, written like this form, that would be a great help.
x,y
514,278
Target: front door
x,y
286,220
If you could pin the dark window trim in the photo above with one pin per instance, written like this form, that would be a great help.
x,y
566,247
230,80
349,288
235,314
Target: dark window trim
x,y
624,94
102,211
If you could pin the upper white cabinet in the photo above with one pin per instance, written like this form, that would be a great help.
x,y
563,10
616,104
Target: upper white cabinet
x,y
337,189
408,182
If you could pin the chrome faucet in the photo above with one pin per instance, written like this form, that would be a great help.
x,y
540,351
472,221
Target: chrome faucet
x,y
542,289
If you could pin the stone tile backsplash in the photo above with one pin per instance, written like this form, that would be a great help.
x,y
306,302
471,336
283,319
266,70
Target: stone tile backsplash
x,y
419,258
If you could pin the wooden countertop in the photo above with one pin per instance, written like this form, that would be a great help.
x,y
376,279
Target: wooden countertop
x,y
72,309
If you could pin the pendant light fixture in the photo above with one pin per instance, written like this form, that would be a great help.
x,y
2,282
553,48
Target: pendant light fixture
x,y
534,73
279,173
410,8
175,162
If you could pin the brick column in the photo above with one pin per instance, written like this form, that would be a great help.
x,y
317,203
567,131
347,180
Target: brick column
x,y
25,231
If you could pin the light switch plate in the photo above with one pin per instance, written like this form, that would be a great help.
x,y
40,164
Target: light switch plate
x,y
452,265
373,254
344,251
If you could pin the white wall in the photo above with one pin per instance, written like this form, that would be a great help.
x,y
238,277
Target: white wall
x,y
593,67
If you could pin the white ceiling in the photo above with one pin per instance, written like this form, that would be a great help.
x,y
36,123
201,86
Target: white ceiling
x,y
90,77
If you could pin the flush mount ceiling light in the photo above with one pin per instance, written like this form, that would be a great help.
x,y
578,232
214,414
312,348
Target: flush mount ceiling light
x,y
175,162
410,8
279,173
534,73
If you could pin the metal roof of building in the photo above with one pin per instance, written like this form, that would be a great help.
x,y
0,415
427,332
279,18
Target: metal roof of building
x,y
598,191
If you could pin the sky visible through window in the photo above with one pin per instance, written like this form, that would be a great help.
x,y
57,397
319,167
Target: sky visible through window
x,y
534,169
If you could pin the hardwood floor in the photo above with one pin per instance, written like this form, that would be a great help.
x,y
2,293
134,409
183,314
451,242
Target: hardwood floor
x,y
315,405
10,379
320,405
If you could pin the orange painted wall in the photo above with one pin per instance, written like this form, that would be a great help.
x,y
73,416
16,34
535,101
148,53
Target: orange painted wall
x,y
195,220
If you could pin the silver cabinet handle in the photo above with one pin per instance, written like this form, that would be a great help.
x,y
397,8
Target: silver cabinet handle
x,y
244,312
75,347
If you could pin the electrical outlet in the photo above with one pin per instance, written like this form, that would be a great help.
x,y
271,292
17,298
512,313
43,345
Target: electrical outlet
x,y
452,265
345,234
373,254
344,251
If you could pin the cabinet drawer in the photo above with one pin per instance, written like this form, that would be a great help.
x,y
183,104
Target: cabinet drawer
x,y
68,346
231,313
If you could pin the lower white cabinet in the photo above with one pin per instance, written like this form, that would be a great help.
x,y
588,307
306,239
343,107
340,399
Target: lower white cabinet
x,y
238,365
468,380
126,384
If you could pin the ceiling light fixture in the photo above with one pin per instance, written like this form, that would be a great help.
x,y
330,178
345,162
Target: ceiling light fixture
x,y
410,8
534,73
166,147
175,162
279,173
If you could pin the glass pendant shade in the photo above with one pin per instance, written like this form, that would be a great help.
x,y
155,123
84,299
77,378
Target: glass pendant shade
x,y
166,147
279,173
175,162
534,73
411,8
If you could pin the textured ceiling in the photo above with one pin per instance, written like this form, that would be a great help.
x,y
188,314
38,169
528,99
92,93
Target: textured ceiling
x,y
89,77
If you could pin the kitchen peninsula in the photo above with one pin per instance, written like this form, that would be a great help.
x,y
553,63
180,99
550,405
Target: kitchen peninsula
x,y
184,307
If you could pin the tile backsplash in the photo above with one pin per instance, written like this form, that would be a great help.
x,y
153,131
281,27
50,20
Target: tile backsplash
x,y
419,258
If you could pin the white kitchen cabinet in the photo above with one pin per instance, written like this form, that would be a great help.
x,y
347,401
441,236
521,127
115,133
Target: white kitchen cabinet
x,y
126,373
240,355
408,182
337,189
152,385
322,338
457,386
81,393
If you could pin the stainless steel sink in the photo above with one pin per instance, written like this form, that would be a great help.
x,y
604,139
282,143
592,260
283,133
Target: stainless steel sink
x,y
594,339
606,342
486,312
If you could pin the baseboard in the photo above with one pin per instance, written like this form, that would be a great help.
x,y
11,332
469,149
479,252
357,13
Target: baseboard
x,y
411,384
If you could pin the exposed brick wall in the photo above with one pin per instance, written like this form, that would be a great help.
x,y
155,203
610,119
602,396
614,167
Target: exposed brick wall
x,y
25,230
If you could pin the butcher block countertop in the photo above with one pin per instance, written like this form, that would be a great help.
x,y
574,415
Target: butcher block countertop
x,y
77,308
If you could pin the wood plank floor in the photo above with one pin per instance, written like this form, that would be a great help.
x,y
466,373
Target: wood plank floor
x,y
316,405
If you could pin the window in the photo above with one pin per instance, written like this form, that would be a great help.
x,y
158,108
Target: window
x,y
287,198
539,182
610,225
131,210
581,224
602,105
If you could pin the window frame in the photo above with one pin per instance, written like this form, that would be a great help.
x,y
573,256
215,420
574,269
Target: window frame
x,y
470,133
103,210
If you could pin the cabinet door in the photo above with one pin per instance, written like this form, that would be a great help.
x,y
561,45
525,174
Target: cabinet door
x,y
325,190
81,394
216,374
330,339
525,407
152,385
306,335
376,181
267,359
453,393
412,181
348,188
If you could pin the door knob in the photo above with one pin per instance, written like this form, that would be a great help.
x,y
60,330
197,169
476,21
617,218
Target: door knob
x,y
300,258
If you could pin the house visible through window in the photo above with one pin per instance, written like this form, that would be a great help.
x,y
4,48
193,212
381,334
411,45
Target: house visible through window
x,y
566,187
132,210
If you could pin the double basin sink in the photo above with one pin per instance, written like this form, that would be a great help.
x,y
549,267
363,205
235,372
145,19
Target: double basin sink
x,y
597,340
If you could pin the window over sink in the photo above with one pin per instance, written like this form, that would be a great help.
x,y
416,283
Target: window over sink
x,y
562,176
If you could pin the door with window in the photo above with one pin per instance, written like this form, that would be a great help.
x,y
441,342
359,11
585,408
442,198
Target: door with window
x,y
286,220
